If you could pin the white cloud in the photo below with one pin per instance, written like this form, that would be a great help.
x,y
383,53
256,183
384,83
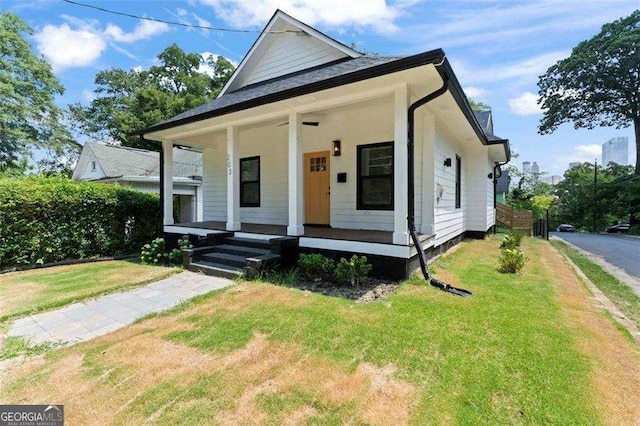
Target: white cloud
x,y
525,104
65,47
584,153
87,95
374,14
208,69
144,30
475,93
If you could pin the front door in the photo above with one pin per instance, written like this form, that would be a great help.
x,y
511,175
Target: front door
x,y
316,188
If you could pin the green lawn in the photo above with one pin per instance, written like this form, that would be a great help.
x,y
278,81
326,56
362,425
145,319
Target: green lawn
x,y
261,353
619,293
26,292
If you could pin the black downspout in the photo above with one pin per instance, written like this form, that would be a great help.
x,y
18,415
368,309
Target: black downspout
x,y
411,222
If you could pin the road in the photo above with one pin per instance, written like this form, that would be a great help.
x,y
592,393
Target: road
x,y
618,250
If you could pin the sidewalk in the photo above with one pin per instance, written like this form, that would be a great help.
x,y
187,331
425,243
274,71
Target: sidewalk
x,y
93,318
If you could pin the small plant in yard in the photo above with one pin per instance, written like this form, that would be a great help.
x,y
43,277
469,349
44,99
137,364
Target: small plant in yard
x,y
315,266
511,261
353,271
155,252
511,241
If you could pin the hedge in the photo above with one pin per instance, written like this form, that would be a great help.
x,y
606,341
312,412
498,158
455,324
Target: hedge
x,y
46,220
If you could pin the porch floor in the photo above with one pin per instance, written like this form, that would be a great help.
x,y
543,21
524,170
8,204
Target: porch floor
x,y
367,236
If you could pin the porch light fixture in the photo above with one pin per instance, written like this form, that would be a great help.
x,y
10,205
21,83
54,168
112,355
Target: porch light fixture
x,y
337,150
447,162
490,176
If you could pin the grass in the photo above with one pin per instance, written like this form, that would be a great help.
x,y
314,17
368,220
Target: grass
x,y
14,346
261,353
27,292
619,293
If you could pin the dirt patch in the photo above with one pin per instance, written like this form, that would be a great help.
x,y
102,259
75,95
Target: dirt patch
x,y
616,361
373,289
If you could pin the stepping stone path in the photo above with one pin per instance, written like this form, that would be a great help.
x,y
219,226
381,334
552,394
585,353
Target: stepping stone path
x,y
92,318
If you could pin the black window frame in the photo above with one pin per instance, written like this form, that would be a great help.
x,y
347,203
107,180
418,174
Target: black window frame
x,y
242,183
458,182
360,205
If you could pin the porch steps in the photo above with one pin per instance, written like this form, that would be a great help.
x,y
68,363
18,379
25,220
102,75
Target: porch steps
x,y
242,250
225,259
249,242
216,269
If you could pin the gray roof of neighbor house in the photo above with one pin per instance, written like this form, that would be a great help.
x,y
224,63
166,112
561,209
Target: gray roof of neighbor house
x,y
118,161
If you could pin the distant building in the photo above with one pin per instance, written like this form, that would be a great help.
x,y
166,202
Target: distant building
x,y
535,168
551,180
574,164
615,150
526,166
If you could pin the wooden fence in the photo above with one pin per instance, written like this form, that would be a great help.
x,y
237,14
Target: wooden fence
x,y
517,220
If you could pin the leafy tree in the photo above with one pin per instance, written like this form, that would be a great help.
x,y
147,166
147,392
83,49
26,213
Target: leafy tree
x,y
478,106
29,116
598,84
130,100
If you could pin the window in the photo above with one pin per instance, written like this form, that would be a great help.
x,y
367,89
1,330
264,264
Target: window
x,y
375,176
458,181
250,182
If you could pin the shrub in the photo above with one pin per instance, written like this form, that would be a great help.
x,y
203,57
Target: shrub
x,y
354,271
511,241
511,261
315,266
155,252
45,220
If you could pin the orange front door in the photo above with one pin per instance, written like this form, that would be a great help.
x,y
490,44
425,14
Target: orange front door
x,y
316,188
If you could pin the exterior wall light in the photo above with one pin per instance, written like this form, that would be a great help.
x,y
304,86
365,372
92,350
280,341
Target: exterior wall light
x,y
336,148
447,162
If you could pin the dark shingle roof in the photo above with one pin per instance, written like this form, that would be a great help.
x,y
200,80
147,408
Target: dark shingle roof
x,y
483,119
285,83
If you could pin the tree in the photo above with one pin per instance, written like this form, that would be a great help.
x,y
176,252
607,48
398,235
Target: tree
x,y
598,84
29,116
478,106
131,100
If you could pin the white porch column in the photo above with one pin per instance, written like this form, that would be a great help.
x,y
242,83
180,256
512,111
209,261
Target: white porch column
x,y
167,182
400,179
296,184
233,180
428,174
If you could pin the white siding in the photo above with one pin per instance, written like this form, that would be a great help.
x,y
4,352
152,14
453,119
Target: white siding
x,y
214,182
289,52
477,180
491,212
448,221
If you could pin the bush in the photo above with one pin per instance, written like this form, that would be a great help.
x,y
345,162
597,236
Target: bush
x,y
511,261
634,230
315,266
511,241
353,271
45,220
155,252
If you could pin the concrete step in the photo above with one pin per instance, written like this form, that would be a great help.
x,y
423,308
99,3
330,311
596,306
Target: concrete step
x,y
226,259
249,242
241,250
216,269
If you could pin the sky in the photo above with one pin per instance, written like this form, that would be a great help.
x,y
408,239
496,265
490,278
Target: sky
x,y
497,48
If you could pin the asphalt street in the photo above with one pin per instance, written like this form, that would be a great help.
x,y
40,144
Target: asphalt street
x,y
618,250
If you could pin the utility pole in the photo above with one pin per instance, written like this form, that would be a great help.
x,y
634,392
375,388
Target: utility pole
x,y
595,194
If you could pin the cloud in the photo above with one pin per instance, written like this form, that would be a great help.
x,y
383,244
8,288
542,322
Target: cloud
x,y
584,153
87,95
208,69
475,93
144,30
374,14
525,104
65,47
80,42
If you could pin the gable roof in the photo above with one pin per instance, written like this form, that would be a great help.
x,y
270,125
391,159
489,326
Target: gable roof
x,y
485,120
122,162
285,45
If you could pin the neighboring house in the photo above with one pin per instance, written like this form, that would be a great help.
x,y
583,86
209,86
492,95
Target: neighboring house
x,y
313,140
140,169
502,187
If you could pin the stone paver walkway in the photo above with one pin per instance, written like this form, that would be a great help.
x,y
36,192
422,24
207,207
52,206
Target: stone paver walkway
x,y
93,318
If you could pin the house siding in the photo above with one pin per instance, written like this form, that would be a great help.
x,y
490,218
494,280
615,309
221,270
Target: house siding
x,y
491,212
477,188
214,182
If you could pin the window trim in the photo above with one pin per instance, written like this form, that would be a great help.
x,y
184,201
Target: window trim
x,y
359,202
458,181
242,203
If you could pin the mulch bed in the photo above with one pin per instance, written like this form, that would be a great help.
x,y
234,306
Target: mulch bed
x,y
373,289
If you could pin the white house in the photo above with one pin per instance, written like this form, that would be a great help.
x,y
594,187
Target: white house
x,y
139,169
343,152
